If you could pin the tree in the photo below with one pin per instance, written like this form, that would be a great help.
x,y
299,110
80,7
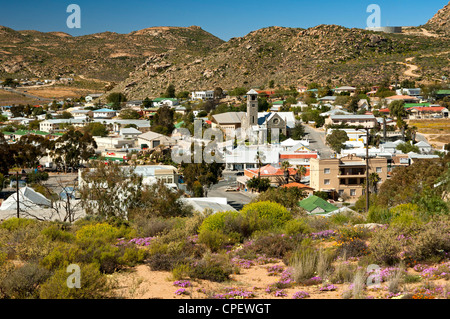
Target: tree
x,y
116,98
218,92
10,82
259,158
285,167
30,149
72,148
298,132
129,114
206,174
353,104
408,147
170,91
183,95
300,171
258,184
110,190
263,104
96,129
147,103
397,109
163,120
6,155
336,140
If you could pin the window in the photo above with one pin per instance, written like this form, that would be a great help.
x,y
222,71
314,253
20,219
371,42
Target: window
x,y
326,182
341,192
353,192
378,170
326,171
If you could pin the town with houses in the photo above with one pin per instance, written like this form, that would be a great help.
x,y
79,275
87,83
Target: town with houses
x,y
340,175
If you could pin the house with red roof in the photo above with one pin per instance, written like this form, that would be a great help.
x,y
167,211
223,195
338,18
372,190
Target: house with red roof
x,y
276,175
421,112
406,98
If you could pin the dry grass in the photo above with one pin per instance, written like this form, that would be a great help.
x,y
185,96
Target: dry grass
x,y
10,98
432,126
59,92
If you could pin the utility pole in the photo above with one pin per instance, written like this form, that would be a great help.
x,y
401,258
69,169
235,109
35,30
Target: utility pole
x,y
367,170
17,192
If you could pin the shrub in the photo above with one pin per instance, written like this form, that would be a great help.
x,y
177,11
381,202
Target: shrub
x,y
98,232
353,248
214,240
55,233
276,214
214,268
383,248
432,242
23,282
61,256
181,271
273,245
15,223
94,285
379,215
295,227
217,220
343,272
307,262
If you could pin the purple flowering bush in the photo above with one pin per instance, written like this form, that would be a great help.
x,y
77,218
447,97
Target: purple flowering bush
x,y
300,295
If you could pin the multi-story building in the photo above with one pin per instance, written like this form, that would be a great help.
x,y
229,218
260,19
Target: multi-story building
x,y
345,177
367,121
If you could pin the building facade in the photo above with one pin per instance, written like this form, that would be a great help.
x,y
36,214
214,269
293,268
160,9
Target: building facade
x,y
345,177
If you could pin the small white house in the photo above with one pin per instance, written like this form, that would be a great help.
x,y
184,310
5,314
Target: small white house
x,y
104,113
91,97
424,147
202,95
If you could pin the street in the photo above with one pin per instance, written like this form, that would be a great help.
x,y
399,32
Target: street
x,y
235,199
317,141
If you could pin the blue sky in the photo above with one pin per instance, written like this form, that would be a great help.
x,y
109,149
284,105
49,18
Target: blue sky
x,y
224,19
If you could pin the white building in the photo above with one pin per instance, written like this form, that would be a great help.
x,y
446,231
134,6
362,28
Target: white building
x,y
202,95
91,97
104,113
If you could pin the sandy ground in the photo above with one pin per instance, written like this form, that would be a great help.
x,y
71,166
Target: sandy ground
x,y
142,283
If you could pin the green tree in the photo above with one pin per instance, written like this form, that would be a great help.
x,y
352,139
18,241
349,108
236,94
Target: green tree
x,y
72,148
163,120
336,140
170,91
116,98
110,190
96,129
298,132
408,147
258,184
129,114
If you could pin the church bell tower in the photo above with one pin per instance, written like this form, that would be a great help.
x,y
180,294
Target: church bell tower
x,y
252,107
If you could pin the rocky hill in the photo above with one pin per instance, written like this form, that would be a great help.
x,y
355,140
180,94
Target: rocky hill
x,y
441,21
327,54
107,56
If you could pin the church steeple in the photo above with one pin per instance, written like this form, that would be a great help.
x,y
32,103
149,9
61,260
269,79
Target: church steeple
x,y
252,107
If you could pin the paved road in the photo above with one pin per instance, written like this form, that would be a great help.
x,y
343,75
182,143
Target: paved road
x,y
235,199
317,141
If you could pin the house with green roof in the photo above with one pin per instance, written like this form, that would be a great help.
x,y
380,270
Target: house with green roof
x,y
440,94
161,101
317,206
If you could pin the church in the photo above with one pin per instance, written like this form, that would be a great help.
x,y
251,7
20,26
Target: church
x,y
261,122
